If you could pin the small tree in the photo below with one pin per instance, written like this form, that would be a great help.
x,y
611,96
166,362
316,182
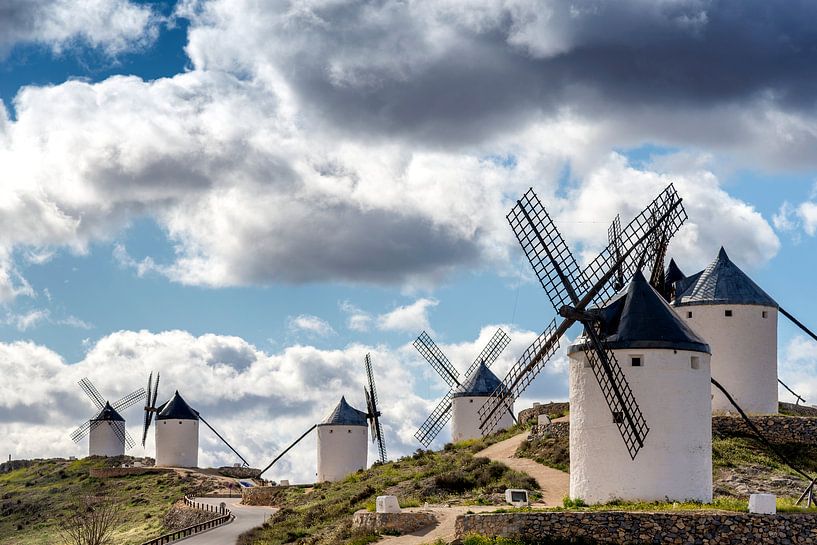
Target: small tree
x,y
93,521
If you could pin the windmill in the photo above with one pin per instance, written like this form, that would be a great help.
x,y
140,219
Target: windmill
x,y
572,291
108,436
440,363
373,412
176,445
342,444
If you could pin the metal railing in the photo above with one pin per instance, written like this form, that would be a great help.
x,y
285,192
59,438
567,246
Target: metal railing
x,y
224,516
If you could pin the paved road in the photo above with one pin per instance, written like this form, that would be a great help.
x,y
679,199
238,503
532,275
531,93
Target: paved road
x,y
246,518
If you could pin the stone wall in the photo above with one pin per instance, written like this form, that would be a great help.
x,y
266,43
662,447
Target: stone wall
x,y
776,428
557,430
626,528
799,410
263,495
399,523
551,409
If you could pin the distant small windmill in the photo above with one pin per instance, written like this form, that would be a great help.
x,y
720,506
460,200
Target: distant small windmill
x,y
445,408
176,445
572,291
342,445
108,436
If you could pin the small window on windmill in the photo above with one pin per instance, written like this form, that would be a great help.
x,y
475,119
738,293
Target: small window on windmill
x,y
727,313
689,314
637,361
331,431
348,431
695,362
765,314
618,417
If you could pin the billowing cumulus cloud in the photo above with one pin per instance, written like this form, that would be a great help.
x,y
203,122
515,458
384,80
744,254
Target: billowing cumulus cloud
x,y
259,401
113,26
408,318
384,143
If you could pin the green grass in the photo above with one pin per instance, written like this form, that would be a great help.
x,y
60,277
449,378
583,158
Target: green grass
x,y
324,515
34,500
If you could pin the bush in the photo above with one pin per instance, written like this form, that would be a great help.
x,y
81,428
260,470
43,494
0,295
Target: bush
x,y
573,503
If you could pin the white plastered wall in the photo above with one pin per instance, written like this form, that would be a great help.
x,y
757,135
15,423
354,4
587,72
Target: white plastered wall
x,y
103,440
342,450
744,353
177,443
676,460
465,418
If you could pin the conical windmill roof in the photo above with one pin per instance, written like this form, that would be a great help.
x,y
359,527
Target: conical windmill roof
x,y
482,383
345,415
176,409
640,318
722,283
109,413
673,274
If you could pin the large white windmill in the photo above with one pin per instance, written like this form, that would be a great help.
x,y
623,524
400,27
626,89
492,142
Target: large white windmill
x,y
106,430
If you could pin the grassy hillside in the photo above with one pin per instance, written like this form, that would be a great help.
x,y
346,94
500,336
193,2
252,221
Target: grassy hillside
x,y
35,499
324,514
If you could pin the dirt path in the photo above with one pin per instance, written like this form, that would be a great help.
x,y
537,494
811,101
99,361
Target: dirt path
x,y
555,484
444,530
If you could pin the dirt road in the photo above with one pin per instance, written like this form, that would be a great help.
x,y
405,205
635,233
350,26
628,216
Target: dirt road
x,y
555,484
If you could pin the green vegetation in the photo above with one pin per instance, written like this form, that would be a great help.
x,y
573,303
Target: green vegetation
x,y
548,451
37,498
324,514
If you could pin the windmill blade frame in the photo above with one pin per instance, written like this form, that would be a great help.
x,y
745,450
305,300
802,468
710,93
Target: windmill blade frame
x,y
82,431
373,410
432,353
92,393
129,400
150,406
558,274
491,351
435,422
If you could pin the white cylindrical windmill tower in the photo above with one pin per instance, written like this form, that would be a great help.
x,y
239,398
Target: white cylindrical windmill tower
x,y
177,434
739,322
107,435
468,398
342,443
667,367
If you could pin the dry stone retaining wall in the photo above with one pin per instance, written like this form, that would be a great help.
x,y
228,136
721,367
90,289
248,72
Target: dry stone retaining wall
x,y
777,429
625,528
799,410
545,408
401,523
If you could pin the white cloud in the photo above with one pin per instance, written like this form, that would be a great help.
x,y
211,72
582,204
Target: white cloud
x,y
807,212
311,325
357,319
113,26
797,367
29,319
411,318
259,401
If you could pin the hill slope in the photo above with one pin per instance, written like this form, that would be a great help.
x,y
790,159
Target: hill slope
x,y
36,497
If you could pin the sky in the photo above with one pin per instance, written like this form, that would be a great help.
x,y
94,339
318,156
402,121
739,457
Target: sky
x,y
250,196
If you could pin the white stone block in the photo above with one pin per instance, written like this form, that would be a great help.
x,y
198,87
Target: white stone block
x,y
543,420
763,504
284,482
517,497
387,504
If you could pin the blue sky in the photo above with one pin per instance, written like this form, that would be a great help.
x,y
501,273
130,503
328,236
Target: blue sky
x,y
300,187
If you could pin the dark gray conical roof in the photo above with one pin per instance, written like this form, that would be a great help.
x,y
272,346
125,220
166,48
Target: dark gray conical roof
x,y
640,318
672,275
345,415
177,409
109,413
722,283
482,383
